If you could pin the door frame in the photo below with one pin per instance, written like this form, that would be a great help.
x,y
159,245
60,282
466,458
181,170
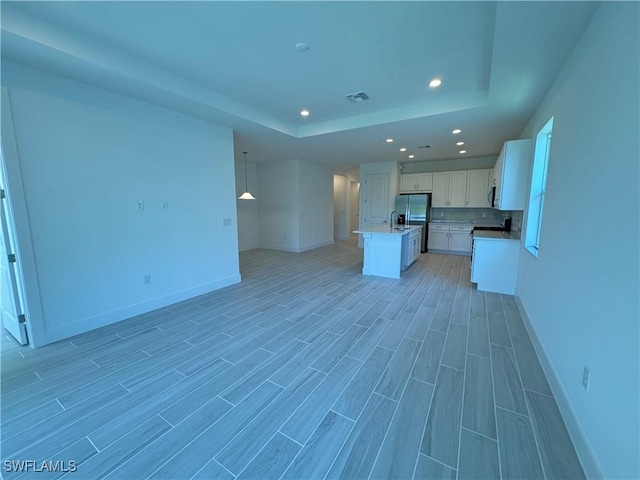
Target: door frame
x,y
12,303
354,204
19,228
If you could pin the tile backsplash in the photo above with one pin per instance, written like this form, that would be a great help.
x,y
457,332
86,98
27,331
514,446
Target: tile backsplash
x,y
486,216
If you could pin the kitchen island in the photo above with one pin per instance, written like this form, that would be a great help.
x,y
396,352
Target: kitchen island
x,y
389,250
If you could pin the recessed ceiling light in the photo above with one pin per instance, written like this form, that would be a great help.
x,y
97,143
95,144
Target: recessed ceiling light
x,y
456,131
304,113
436,82
463,151
403,149
460,143
389,140
412,156
302,47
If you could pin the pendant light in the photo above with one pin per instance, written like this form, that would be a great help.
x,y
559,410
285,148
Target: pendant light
x,y
246,195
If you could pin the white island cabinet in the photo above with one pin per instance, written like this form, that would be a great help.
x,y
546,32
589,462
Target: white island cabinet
x,y
388,251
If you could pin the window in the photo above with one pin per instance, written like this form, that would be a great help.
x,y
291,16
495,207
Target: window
x,y
538,187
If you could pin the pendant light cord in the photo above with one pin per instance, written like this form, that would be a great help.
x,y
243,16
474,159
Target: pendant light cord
x,y
246,183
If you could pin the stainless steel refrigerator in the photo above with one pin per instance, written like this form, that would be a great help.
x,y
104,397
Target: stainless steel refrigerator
x,y
415,208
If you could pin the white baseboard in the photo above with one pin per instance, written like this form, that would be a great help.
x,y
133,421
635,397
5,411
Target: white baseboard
x,y
583,449
315,245
297,249
68,330
281,248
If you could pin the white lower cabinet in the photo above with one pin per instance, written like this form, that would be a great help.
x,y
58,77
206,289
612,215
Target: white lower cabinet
x,y
438,240
494,266
450,238
460,241
411,247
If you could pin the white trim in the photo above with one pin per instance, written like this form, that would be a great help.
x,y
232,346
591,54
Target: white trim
x,y
588,460
101,320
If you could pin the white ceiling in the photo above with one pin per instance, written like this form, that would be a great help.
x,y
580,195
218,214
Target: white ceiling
x,y
234,63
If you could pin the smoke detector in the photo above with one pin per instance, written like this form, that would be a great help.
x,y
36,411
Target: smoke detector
x,y
357,97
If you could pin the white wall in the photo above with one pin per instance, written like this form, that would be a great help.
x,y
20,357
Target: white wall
x,y
581,293
87,157
315,200
277,210
295,207
248,228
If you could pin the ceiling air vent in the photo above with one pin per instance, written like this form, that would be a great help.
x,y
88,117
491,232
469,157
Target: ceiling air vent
x,y
357,97
424,146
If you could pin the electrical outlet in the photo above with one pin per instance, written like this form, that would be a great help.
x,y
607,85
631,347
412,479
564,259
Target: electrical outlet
x,y
484,214
164,205
442,214
140,205
586,378
226,222
147,278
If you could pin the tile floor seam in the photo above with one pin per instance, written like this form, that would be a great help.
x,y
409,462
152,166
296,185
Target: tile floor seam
x,y
294,441
93,444
526,402
480,434
539,393
464,388
495,404
437,275
222,447
386,433
424,428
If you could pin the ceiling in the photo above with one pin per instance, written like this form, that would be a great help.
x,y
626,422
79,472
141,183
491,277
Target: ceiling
x,y
235,64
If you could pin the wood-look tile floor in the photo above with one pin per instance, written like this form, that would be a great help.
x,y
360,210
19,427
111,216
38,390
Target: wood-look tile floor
x,y
307,369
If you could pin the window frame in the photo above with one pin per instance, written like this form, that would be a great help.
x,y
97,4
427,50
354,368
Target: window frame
x,y
539,177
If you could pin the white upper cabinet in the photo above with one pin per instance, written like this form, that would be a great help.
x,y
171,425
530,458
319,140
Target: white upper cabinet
x,y
457,188
440,197
425,182
477,189
449,189
510,175
416,183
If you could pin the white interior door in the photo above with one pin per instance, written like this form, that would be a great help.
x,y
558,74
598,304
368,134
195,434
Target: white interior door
x,y
10,307
376,199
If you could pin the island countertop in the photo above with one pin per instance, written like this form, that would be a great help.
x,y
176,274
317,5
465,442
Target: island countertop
x,y
386,230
